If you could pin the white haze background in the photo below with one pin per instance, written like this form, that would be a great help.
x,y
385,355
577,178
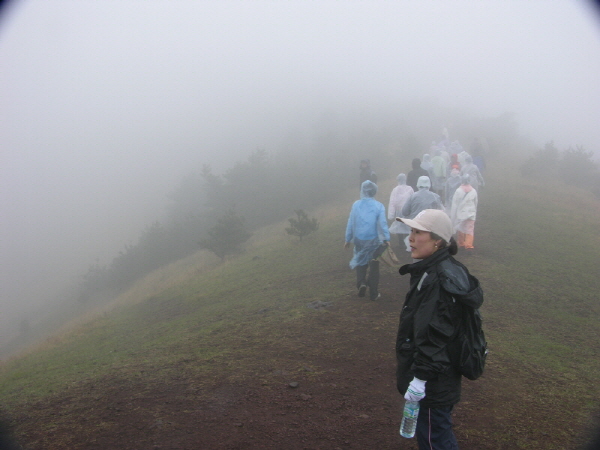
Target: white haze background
x,y
106,105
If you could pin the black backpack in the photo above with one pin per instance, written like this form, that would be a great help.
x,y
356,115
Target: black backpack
x,y
473,347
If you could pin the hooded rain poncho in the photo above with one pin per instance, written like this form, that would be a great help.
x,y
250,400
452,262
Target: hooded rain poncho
x,y
422,199
399,196
367,226
464,208
473,171
452,184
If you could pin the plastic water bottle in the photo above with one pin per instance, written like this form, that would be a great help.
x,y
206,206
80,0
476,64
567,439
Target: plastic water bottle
x,y
409,419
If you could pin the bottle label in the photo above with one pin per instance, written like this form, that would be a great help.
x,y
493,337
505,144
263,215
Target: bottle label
x,y
410,411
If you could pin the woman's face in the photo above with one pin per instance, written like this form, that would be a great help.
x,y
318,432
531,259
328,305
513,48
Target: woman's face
x,y
421,243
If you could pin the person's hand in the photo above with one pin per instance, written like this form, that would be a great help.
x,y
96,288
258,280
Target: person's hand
x,y
347,245
416,390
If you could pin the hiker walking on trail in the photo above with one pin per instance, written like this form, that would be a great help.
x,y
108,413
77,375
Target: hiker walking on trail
x,y
416,172
420,200
438,173
399,196
454,164
427,353
469,168
464,212
366,173
367,229
452,184
427,165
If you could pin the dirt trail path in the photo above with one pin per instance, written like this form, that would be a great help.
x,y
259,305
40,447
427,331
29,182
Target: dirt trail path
x,y
328,387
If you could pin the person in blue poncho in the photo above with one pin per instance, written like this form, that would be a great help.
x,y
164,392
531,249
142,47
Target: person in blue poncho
x,y
367,229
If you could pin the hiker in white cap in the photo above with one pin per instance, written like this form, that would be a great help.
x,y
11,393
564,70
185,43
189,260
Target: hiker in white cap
x,y
420,200
426,351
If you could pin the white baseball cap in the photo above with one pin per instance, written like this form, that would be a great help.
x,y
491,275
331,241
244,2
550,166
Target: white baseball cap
x,y
432,220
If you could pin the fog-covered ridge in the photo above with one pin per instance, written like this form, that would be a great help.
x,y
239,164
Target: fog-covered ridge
x,y
108,107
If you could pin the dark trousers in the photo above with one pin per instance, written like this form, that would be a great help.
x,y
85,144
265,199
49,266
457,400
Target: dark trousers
x,y
369,276
434,429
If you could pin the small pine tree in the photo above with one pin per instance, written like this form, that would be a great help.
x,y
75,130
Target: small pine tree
x,y
302,226
227,236
577,167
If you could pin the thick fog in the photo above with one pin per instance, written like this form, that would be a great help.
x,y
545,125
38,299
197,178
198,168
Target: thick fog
x,y
107,105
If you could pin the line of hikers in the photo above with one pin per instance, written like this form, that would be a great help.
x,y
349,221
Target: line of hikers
x,y
448,181
431,203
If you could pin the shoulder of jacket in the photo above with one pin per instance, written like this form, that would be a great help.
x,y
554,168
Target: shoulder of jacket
x,y
454,278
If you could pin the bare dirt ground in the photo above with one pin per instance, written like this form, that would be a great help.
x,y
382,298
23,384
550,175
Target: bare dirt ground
x,y
330,387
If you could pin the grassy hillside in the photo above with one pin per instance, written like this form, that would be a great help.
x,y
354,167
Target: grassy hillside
x,y
201,354
537,259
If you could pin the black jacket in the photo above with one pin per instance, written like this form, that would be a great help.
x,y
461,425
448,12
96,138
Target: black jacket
x,y
413,177
429,325
367,174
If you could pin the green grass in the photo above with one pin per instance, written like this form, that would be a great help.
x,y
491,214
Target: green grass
x,y
198,320
537,255
539,268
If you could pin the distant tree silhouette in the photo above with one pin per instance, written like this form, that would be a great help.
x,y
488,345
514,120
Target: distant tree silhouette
x,y
574,166
543,163
577,166
302,225
227,236
251,188
213,191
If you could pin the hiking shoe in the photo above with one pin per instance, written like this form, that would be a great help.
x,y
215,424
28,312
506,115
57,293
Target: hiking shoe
x,y
361,290
377,298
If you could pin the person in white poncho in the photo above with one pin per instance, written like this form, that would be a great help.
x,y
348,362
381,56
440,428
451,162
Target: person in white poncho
x,y
464,212
400,194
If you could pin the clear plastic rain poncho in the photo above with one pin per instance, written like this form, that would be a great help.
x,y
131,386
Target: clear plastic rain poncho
x,y
452,184
422,199
456,147
462,157
367,227
399,196
468,168
464,207
439,171
426,163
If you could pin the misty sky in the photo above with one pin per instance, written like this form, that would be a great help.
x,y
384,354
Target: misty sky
x,y
107,104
